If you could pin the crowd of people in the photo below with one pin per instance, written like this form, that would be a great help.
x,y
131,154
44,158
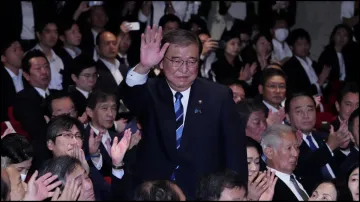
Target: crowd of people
x,y
175,101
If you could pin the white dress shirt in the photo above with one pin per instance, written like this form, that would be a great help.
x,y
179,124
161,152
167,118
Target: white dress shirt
x,y
119,173
270,107
114,69
205,69
56,64
310,72
27,30
133,78
16,79
341,66
286,179
85,93
43,93
280,52
95,55
317,146
73,53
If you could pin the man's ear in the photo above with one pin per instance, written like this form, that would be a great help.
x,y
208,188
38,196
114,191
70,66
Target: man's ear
x,y
50,145
89,112
62,38
3,59
27,76
97,49
269,152
287,118
337,105
161,65
260,89
38,35
74,78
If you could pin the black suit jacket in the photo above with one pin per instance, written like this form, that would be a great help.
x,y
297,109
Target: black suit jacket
x,y
80,101
8,92
283,193
212,139
297,79
68,65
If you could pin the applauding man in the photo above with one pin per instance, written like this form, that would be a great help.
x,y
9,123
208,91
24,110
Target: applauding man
x,y
187,131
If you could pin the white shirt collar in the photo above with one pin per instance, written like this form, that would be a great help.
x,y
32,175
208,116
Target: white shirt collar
x,y
85,93
53,54
73,53
185,93
122,56
42,92
357,148
307,61
12,74
109,65
283,176
95,33
270,107
105,136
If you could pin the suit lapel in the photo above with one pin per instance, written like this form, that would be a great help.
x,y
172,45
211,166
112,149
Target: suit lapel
x,y
106,74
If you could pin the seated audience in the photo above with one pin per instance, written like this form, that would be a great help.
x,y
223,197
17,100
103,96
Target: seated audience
x,y
238,89
208,55
125,40
169,22
221,186
60,103
280,31
325,191
350,182
159,190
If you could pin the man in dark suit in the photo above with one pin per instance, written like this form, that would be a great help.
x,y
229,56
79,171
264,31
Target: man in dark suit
x,y
281,148
321,155
353,125
187,131
12,80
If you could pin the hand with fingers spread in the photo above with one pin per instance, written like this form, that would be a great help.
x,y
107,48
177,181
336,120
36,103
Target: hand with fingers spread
x,y
257,186
317,99
83,118
276,117
340,137
269,192
150,52
208,46
247,72
78,153
94,142
83,7
41,188
118,149
135,139
71,191
125,27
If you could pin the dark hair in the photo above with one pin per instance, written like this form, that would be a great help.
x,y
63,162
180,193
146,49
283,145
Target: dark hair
x,y
4,190
295,95
334,182
17,148
25,63
98,37
61,166
271,72
228,35
6,42
333,32
252,143
65,24
181,37
99,96
39,26
352,118
276,18
158,190
247,106
350,87
204,32
297,34
62,123
56,94
195,19
169,18
212,185
81,63
264,33
230,82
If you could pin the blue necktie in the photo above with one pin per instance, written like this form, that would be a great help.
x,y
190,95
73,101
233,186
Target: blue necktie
x,y
324,171
179,114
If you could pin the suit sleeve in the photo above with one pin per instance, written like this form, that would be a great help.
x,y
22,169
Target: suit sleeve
x,y
234,137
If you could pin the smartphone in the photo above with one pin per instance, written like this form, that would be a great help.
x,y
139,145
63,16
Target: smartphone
x,y
221,43
325,126
134,26
95,3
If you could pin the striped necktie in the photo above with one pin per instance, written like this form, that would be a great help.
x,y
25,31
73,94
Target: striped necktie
x,y
179,114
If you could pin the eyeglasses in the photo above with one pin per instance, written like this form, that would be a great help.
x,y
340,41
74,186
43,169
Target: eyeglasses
x,y
70,136
274,87
178,62
88,76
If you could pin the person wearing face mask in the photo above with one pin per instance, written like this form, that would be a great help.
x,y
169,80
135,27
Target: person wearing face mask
x,y
280,32
325,191
20,152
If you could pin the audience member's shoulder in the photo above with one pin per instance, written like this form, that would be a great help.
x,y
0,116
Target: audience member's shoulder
x,y
214,87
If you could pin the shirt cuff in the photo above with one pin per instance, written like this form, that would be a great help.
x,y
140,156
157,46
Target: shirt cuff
x,y
133,78
97,161
119,173
202,57
142,17
332,154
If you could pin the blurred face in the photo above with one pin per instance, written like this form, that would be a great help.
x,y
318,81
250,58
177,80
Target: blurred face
x,y
355,131
284,158
232,47
256,125
63,106
49,35
195,28
170,26
324,192
39,74
263,46
234,194
103,116
17,186
341,37
238,93
348,104
125,44
302,114
107,47
253,160
353,184
86,80
98,17
87,189
274,90
179,74
13,55
65,142
203,38
23,168
301,48
72,36
245,40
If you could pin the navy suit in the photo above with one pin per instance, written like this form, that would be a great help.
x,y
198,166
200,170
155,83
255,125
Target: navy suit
x,y
213,137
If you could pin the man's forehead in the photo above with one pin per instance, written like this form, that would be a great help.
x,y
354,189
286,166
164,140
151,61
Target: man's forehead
x,y
178,50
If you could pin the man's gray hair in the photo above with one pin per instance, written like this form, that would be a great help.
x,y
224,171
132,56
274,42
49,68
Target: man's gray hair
x,y
5,162
271,136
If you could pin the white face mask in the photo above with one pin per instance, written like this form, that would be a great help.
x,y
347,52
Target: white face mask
x,y
281,34
23,175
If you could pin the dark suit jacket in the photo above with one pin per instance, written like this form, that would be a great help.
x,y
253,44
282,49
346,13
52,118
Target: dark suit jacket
x,y
80,101
212,139
297,79
8,92
283,193
68,65
350,160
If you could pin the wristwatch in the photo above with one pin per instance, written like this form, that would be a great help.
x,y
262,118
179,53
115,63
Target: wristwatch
x,y
121,166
